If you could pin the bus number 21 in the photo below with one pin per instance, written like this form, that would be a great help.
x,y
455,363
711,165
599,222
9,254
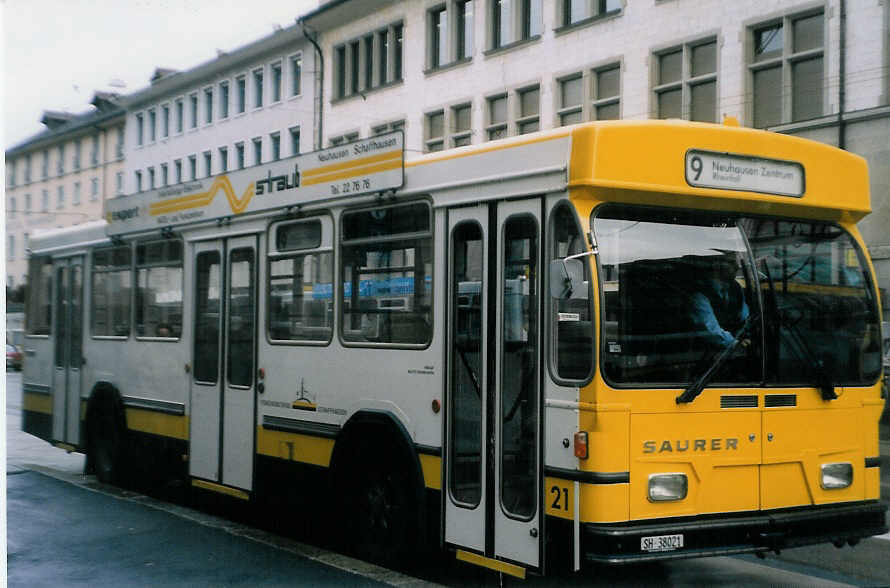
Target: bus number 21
x,y
560,498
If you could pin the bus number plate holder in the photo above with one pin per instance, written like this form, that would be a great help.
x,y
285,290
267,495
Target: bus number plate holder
x,y
661,543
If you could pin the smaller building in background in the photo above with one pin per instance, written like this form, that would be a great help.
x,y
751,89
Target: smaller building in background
x,y
62,176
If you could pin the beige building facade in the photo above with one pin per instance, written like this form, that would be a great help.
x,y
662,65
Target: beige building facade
x,y
62,176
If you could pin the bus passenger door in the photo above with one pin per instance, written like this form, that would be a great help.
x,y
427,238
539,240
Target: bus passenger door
x,y
493,457
68,349
223,395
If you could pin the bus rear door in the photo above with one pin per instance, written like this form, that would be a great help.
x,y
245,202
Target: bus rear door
x,y
68,354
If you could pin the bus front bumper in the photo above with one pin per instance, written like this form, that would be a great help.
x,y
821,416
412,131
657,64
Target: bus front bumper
x,y
731,534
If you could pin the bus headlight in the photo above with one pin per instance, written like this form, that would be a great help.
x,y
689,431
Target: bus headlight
x,y
666,487
836,475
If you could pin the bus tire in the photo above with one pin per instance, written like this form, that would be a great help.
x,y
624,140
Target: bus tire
x,y
106,439
382,508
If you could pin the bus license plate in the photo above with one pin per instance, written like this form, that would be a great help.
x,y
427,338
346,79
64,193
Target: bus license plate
x,y
661,543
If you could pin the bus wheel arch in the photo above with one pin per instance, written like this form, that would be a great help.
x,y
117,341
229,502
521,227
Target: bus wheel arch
x,y
105,435
378,483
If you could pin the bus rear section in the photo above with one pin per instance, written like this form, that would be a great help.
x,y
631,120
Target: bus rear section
x,y
736,400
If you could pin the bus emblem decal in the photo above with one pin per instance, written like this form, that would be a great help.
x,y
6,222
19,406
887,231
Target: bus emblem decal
x,y
304,400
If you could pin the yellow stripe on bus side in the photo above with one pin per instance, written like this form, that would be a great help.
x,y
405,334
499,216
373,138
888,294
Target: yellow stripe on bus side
x,y
432,471
294,447
42,403
158,423
354,171
344,165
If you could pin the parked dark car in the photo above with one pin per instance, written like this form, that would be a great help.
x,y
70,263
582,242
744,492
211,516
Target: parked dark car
x,y
13,358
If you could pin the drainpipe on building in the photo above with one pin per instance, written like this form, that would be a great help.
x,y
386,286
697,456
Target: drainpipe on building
x,y
842,76
319,93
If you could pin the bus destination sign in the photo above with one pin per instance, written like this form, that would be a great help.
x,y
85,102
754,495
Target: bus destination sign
x,y
727,171
362,167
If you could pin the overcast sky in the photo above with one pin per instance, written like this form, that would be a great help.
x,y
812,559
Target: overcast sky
x,y
57,53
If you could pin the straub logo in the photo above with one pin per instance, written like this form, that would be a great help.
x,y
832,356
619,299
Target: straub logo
x,y
278,183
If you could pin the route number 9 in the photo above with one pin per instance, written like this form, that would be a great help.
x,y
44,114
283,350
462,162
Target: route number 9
x,y
696,164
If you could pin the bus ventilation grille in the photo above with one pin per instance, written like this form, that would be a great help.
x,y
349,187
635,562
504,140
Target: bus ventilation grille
x,y
773,400
738,401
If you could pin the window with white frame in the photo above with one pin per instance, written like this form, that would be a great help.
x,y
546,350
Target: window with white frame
x,y
275,145
180,115
208,105
208,164
28,161
240,94
294,140
529,110
437,37
606,93
193,167
571,100
387,127
152,126
460,127
787,70
119,182
44,201
75,200
464,10
76,156
223,99
165,175
94,158
60,164
139,130
12,207
44,166
592,94
257,150
275,74
177,171
580,11
496,117
165,121
94,189
193,107
10,248
345,138
223,160
138,175
513,21
27,204
368,62
60,201
296,74
258,88
239,155
686,81
151,178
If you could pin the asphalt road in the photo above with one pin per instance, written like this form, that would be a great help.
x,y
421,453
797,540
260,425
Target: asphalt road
x,y
66,529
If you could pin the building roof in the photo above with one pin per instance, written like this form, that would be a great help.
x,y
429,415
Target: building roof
x,y
63,124
333,13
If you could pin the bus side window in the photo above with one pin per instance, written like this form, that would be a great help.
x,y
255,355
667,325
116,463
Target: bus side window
x,y
39,311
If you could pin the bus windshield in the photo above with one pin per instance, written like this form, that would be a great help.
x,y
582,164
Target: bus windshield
x,y
792,297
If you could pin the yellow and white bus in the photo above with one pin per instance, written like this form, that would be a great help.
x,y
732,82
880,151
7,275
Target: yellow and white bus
x,y
516,348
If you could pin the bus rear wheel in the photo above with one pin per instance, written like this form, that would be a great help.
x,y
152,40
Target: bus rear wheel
x,y
382,512
106,447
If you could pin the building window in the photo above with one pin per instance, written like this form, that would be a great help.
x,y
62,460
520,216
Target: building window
x,y
343,139
139,181
152,125
44,201
275,143
94,189
388,127
44,166
151,178
257,88
381,62
208,164
437,22
514,20
193,102
76,158
224,100
180,116
111,278
606,93
60,201
275,70
119,148
577,11
60,164
340,70
119,182
159,289
594,94
686,79
241,93
460,126
177,171
387,245
295,141
435,131
497,117
94,158
239,155
75,200
258,150
368,57
529,110
27,204
139,130
10,248
296,74
788,55
165,121
10,174
12,207
165,176
193,167
464,29
208,105
223,160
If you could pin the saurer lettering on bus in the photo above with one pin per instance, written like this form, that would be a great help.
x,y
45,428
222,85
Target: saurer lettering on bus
x,y
681,445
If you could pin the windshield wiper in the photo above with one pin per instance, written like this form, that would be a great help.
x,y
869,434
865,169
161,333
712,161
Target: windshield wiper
x,y
720,358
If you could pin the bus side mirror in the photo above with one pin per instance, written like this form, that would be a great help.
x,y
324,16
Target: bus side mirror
x,y
567,279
